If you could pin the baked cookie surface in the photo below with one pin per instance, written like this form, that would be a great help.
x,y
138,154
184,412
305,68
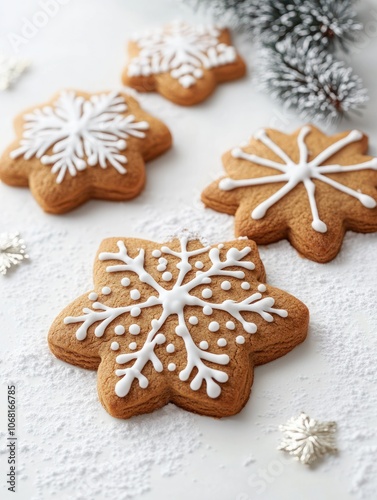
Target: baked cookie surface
x,y
183,63
306,187
80,146
177,322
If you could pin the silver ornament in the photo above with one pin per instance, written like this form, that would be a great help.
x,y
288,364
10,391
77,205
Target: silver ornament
x,y
12,251
307,439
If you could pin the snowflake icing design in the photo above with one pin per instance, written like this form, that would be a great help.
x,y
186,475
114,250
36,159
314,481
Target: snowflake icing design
x,y
302,172
80,132
12,251
307,439
173,301
182,50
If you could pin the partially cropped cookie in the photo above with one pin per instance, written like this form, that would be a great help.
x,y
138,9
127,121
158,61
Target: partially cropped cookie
x,y
80,146
179,323
183,63
307,187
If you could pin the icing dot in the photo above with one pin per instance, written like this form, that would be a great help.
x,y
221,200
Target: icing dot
x,y
245,285
220,245
170,348
213,326
119,329
262,288
125,281
135,294
134,329
225,285
106,290
93,296
199,264
207,293
171,367
240,339
135,311
230,325
114,346
207,310
222,342
161,267
167,276
193,320
203,345
132,346
160,339
156,253
162,260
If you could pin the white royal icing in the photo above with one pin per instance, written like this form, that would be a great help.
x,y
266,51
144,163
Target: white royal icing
x,y
302,172
80,133
119,330
170,348
134,329
213,326
172,302
182,51
114,346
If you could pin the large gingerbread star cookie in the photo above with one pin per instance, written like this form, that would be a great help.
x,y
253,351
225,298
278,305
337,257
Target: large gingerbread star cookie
x,y
306,187
80,146
179,323
183,63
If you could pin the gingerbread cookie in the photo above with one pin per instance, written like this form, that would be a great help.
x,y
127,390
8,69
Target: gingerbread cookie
x,y
81,146
183,63
178,323
306,187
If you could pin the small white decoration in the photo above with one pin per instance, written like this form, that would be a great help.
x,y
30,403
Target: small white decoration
x,y
12,251
11,69
307,439
80,133
183,51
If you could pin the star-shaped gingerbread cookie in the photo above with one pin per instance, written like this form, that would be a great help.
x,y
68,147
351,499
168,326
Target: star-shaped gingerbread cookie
x,y
80,146
183,63
178,322
307,187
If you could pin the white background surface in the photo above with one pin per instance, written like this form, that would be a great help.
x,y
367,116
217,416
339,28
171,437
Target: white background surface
x,y
83,46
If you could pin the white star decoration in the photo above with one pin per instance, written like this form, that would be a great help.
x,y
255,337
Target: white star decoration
x,y
304,171
307,439
12,251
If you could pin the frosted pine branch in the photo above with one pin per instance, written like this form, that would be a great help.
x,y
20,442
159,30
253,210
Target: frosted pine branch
x,y
312,81
324,23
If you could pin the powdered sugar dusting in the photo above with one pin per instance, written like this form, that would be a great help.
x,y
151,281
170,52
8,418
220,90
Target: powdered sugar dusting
x,y
78,450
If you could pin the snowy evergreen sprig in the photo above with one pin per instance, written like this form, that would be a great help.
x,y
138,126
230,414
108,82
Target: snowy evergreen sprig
x,y
322,23
312,81
325,23
296,40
